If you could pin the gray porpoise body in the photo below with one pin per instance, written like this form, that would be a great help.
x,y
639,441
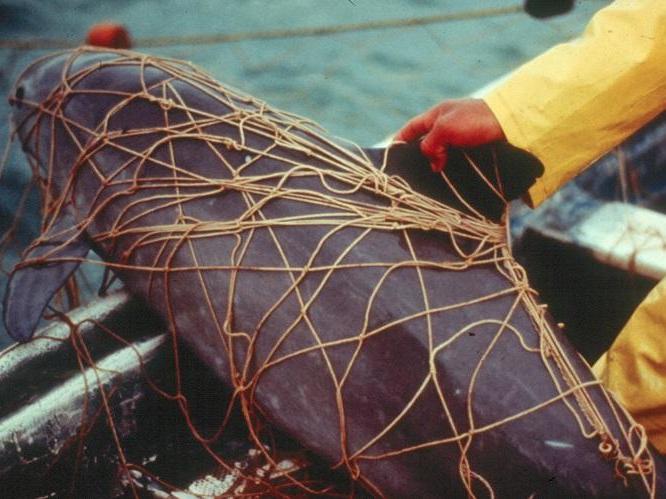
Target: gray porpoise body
x,y
542,454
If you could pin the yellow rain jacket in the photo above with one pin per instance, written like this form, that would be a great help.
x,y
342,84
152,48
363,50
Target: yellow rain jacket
x,y
568,107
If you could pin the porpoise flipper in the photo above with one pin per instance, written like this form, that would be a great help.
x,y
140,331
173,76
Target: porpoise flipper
x,y
511,170
31,286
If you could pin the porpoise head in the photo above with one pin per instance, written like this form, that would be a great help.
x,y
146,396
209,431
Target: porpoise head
x,y
36,100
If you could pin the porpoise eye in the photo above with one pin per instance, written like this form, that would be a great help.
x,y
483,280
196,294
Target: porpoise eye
x,y
20,92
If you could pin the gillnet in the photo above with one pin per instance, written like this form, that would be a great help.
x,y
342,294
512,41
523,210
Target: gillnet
x,y
388,332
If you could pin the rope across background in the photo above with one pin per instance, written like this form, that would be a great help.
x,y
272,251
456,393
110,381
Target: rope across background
x,y
166,41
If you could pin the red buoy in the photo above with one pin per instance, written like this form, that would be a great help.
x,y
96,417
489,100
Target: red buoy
x,y
109,35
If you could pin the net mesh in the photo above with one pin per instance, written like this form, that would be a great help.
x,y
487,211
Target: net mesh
x,y
272,249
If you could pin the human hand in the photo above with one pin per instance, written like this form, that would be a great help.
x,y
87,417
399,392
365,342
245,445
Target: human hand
x,y
457,122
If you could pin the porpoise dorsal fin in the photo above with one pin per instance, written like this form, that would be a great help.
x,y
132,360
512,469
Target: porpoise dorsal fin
x,y
31,286
406,161
511,170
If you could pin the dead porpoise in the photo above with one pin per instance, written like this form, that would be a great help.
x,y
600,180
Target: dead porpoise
x,y
350,295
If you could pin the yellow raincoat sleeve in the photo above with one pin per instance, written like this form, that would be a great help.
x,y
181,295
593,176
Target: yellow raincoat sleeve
x,y
580,99
568,107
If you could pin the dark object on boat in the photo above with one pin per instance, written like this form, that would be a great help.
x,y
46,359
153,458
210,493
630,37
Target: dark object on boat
x,y
410,351
542,9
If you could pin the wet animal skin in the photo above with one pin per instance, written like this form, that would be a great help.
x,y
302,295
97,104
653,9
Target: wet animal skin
x,y
352,297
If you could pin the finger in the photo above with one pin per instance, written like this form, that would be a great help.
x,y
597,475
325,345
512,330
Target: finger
x,y
415,128
438,163
435,150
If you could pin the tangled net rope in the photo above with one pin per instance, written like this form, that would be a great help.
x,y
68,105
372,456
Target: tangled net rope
x,y
269,247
